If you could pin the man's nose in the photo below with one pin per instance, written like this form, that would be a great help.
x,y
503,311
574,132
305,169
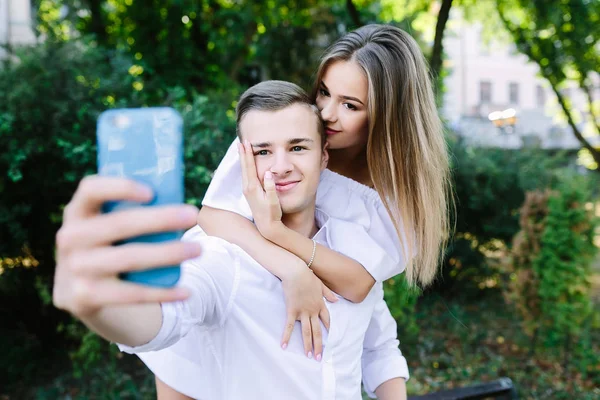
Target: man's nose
x,y
328,112
282,164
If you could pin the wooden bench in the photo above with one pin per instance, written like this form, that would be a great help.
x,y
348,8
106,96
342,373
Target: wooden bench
x,y
502,388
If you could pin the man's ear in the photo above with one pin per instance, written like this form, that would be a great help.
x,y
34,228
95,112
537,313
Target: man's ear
x,y
325,157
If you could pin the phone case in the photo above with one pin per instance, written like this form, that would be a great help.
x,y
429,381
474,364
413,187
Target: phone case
x,y
145,145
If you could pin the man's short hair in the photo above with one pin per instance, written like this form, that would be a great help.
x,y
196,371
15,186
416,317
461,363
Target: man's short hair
x,y
275,96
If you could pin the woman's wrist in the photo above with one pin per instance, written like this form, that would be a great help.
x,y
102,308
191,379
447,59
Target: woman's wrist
x,y
274,231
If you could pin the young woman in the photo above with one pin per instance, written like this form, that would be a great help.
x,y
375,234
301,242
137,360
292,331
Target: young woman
x,y
388,170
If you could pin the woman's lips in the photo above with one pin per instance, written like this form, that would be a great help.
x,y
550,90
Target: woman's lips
x,y
330,132
285,186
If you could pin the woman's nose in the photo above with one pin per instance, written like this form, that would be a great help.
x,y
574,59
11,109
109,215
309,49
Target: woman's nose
x,y
328,112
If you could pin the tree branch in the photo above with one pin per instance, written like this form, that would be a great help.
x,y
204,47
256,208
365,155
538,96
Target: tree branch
x,y
354,15
435,62
561,100
588,93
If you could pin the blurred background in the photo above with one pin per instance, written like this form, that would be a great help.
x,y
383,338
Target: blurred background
x,y
518,88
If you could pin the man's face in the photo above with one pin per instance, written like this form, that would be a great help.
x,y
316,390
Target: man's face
x,y
287,143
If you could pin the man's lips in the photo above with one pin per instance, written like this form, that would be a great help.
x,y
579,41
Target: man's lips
x,y
330,131
285,186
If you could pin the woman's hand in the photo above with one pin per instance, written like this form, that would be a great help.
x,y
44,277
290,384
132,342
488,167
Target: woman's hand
x,y
304,294
264,203
87,268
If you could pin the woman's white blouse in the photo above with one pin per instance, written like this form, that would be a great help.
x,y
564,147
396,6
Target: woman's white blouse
x,y
379,250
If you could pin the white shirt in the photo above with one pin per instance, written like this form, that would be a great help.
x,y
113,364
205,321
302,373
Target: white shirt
x,y
339,197
223,342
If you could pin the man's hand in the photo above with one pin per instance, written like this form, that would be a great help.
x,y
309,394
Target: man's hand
x,y
86,277
264,203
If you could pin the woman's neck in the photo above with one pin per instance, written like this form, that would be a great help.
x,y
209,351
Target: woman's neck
x,y
351,163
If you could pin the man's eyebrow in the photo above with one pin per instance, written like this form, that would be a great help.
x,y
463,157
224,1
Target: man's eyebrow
x,y
300,140
262,145
343,97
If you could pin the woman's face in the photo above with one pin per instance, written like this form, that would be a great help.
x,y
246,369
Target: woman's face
x,y
342,100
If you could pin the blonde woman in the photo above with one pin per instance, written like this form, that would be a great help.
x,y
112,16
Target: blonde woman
x,y
388,171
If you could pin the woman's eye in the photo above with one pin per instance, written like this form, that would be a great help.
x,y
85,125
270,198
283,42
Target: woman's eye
x,y
350,106
323,92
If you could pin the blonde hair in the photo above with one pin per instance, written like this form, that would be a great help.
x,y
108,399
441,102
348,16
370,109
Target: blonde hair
x,y
406,150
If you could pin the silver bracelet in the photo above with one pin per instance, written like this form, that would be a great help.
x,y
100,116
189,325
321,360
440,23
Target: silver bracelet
x,y
312,258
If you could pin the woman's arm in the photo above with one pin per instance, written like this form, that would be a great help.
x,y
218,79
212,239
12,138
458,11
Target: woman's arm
x,y
302,289
340,273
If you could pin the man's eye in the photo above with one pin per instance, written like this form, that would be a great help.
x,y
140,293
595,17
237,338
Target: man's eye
x,y
261,153
298,148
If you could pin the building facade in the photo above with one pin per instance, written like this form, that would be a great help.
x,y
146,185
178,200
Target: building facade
x,y
16,24
488,78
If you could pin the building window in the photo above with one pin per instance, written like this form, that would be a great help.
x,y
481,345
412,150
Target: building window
x,y
540,96
485,92
513,93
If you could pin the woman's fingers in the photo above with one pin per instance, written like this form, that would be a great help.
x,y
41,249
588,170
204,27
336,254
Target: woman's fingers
x,y
287,331
110,261
93,191
324,317
317,337
113,227
329,295
306,335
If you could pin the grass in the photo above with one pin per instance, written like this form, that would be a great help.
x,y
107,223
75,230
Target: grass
x,y
464,342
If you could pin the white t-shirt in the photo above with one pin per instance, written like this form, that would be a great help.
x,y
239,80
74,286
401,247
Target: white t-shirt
x,y
223,342
378,248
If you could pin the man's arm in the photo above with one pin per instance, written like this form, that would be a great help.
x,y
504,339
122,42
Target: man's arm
x,y
393,389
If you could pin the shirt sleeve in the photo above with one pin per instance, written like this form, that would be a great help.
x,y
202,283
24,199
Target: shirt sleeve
x,y
225,189
352,240
347,200
211,279
382,359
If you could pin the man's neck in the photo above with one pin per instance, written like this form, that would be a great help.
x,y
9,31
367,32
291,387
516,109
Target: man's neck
x,y
302,222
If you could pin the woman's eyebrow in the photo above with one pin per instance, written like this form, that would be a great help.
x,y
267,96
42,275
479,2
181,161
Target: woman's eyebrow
x,y
343,97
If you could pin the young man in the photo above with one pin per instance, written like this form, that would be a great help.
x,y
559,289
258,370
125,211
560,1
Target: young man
x,y
222,342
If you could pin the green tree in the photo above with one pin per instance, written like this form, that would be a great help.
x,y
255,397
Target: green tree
x,y
561,37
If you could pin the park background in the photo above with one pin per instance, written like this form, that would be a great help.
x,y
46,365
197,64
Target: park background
x,y
519,288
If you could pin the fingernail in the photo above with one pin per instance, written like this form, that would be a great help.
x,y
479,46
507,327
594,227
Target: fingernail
x,y
284,346
309,354
318,357
192,250
268,175
188,213
145,191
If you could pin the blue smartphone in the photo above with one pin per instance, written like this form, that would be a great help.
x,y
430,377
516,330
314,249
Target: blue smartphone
x,y
146,145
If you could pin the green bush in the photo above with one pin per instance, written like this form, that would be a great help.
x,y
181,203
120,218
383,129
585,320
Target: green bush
x,y
550,266
52,97
489,187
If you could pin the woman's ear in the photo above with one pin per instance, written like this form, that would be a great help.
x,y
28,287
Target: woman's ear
x,y
324,157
